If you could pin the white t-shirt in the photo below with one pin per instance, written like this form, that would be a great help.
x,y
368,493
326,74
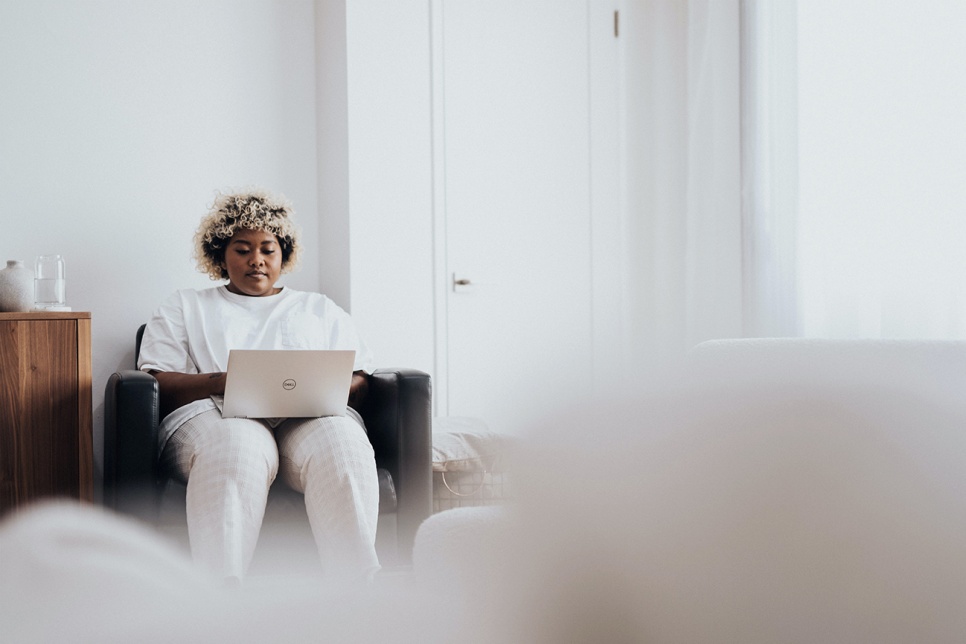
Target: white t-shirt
x,y
193,331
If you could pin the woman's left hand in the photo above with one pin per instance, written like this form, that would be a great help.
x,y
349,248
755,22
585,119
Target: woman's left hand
x,y
358,389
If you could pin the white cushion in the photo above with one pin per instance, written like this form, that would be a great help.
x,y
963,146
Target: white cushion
x,y
463,444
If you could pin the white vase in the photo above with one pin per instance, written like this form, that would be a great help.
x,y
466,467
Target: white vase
x,y
16,287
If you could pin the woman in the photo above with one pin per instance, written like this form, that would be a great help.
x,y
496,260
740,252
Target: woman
x,y
228,464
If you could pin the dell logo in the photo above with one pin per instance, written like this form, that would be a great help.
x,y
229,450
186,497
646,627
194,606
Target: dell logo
x,y
288,385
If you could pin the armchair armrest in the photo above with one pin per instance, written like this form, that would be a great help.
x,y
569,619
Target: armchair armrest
x,y
398,415
131,443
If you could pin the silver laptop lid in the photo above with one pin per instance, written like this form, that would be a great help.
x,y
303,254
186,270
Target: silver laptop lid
x,y
287,383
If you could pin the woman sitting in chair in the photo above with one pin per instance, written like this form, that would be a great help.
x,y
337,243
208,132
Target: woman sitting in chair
x,y
229,464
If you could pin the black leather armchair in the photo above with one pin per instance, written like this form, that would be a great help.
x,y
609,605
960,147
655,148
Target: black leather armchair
x,y
397,413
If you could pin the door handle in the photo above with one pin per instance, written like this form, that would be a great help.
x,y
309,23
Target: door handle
x,y
462,284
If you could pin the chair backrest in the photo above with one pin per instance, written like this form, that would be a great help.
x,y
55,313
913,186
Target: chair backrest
x,y
137,344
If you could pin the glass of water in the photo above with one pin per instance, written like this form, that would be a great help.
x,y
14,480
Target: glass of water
x,y
49,282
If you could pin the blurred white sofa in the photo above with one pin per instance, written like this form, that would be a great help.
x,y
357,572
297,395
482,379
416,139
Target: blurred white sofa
x,y
780,490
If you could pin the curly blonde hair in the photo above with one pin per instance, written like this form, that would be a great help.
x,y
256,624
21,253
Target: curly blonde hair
x,y
252,210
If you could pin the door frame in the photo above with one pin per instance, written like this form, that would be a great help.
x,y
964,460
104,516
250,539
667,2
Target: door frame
x,y
607,235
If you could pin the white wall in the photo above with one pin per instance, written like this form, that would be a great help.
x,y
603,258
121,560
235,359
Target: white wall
x,y
332,141
390,178
375,180
119,120
882,159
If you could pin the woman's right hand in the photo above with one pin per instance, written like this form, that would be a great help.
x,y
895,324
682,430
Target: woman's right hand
x,y
178,389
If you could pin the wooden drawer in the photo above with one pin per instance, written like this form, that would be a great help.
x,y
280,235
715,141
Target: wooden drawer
x,y
46,443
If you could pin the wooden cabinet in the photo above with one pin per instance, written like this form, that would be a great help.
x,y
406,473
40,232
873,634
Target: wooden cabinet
x,y
46,443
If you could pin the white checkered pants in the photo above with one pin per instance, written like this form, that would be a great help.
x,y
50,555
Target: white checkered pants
x,y
229,464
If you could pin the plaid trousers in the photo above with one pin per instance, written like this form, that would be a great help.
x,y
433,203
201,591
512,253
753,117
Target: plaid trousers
x,y
230,463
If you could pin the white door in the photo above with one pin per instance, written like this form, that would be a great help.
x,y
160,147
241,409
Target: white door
x,y
512,138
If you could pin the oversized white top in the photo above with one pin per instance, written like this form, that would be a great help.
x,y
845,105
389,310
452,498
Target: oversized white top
x,y
193,331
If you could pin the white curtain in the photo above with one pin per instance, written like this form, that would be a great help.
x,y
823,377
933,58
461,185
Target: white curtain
x,y
769,167
683,165
713,243
794,168
854,168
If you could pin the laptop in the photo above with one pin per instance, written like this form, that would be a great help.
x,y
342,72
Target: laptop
x,y
276,384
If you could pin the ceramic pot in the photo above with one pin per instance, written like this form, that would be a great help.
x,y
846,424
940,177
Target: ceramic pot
x,y
16,287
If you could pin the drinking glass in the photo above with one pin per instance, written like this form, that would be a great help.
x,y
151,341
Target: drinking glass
x,y
49,282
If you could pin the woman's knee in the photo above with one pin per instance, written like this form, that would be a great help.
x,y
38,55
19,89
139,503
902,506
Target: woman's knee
x,y
324,437
241,447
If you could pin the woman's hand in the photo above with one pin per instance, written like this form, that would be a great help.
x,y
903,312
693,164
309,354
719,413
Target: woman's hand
x,y
358,390
179,389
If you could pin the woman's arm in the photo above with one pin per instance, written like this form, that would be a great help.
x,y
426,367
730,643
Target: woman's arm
x,y
358,389
179,389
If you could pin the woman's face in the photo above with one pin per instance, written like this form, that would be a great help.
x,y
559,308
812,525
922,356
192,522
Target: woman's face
x,y
253,259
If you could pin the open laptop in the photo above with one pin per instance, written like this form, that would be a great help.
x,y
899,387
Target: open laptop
x,y
278,384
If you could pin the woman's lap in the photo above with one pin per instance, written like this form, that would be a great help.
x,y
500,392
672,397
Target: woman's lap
x,y
243,442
